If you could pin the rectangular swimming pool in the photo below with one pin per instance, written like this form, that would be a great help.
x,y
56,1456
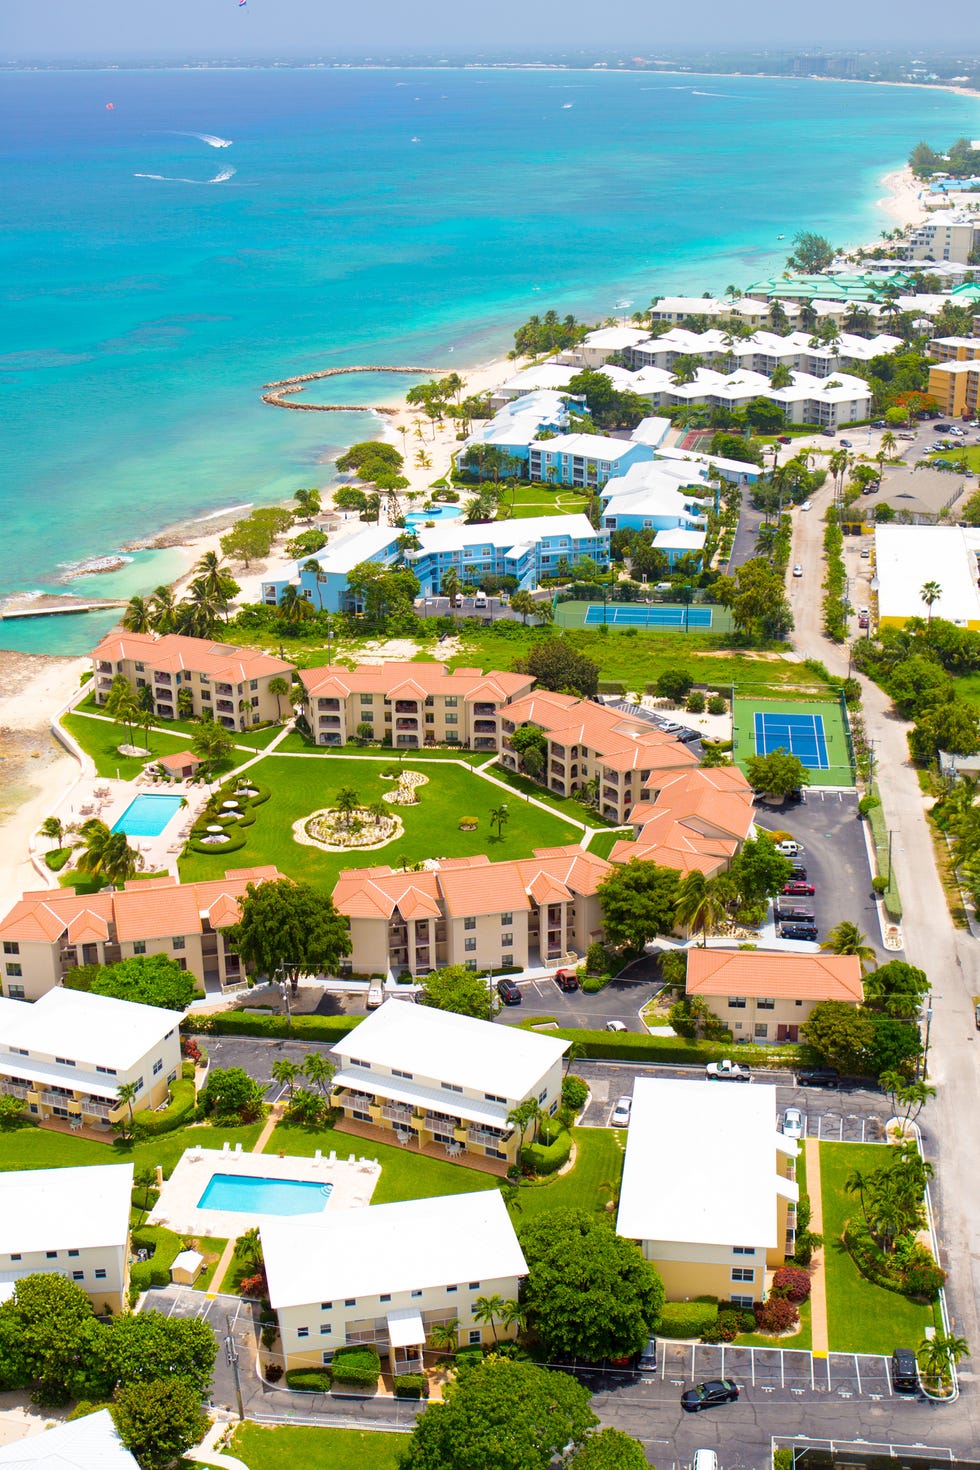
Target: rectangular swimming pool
x,y
244,1196
146,816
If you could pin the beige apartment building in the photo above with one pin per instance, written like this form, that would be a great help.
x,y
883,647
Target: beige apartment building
x,y
711,1202
626,757
67,1055
437,1082
766,997
69,1222
194,677
697,821
954,386
468,911
409,705
954,349
385,1275
50,931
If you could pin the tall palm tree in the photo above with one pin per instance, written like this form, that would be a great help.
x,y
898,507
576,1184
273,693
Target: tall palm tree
x,y
127,1092
698,907
939,1354
285,1072
487,1309
318,1070
781,376
524,1115
280,688
930,592
53,828
138,616
347,801
512,1314
499,815
107,854
249,1249
163,609
685,368
294,607
857,1183
444,1336
846,938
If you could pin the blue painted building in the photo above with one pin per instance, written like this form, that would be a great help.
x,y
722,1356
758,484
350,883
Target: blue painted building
x,y
526,549
584,461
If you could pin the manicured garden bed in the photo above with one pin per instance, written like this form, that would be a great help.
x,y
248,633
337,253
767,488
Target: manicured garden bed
x,y
590,1183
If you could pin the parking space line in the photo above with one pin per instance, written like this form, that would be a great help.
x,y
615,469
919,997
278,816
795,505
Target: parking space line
x,y
813,1385
888,1377
857,1373
694,1350
782,1367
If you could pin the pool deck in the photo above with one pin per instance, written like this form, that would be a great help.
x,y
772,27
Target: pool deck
x,y
352,1180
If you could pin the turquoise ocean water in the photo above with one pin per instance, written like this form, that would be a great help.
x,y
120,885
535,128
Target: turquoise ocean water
x,y
151,280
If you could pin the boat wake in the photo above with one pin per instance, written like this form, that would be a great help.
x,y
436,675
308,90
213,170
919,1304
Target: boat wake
x,y
220,178
211,139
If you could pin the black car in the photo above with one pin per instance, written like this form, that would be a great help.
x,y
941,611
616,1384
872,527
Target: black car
x,y
818,1077
509,992
905,1371
799,870
706,1395
797,931
795,916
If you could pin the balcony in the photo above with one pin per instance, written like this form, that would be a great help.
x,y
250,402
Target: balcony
x,y
397,1112
557,769
491,1136
441,1121
14,1089
226,706
104,668
224,688
159,678
328,704
97,1109
487,727
406,724
484,742
57,1099
484,709
329,722
406,706
360,1099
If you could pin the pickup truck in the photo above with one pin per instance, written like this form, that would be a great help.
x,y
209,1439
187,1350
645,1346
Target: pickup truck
x,y
727,1071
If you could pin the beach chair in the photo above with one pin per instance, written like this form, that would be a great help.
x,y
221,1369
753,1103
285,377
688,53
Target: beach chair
x,y
333,1156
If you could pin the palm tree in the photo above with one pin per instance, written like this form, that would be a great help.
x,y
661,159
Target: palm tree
x,y
53,828
938,1355
138,617
685,369
488,1309
444,1336
930,592
127,1092
107,854
347,802
199,613
308,503
294,607
698,907
280,688
846,938
163,609
612,1187
318,1070
212,571
781,376
185,702
512,1314
523,1116
285,1072
249,1249
857,1183
499,815
145,1180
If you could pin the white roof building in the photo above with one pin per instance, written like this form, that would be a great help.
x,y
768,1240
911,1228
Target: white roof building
x,y
713,1180
543,377
906,557
90,1443
432,1044
91,1031
383,1250
652,431
524,531
62,1209
522,417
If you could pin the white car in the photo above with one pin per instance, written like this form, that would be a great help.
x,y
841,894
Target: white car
x,y
615,1025
794,1124
797,570
621,1112
807,505
789,848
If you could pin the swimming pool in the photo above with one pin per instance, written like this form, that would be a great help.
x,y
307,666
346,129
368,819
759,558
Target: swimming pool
x,y
243,1196
435,513
146,816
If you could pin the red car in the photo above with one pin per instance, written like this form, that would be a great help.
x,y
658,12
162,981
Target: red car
x,y
566,980
799,889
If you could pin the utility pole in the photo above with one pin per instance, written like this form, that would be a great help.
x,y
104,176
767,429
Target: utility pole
x,y
231,1352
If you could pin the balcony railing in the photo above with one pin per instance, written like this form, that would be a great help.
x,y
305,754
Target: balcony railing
x,y
406,724
97,1109
489,1136
406,706
60,1099
485,709
397,1112
364,1099
14,1089
104,668
441,1120
159,678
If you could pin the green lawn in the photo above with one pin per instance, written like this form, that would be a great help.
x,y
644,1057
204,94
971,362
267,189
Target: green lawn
x,y
30,1147
603,842
404,1175
804,1337
301,787
862,1317
599,1154
296,743
257,739
100,738
522,501
290,1446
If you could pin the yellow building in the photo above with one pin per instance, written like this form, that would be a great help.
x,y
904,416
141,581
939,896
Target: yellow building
x,y
907,558
709,1187
954,349
767,997
384,1275
954,385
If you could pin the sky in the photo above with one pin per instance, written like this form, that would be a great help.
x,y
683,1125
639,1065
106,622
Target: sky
x,y
165,29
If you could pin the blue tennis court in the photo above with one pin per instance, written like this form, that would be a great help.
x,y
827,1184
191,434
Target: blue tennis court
x,y
800,735
654,615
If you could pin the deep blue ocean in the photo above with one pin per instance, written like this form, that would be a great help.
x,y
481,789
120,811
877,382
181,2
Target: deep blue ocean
x,y
151,281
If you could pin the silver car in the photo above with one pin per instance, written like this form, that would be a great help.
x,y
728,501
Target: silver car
x,y
794,1123
621,1112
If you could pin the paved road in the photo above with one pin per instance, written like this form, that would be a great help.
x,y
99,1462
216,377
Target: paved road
x,y
949,956
621,1000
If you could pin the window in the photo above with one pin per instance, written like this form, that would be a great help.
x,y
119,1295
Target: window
x,y
736,1002
138,1084
13,969
172,1076
10,946
469,923
765,1005
396,1072
474,1286
107,1071
430,719
328,1358
326,1306
452,719
450,1087
16,1257
494,1097
386,1297
451,1289
78,1276
743,1250
253,684
73,1253
476,1337
302,1332
743,1273
554,1108
799,1002
451,701
761,1030
15,992
179,942
506,939
157,1066
350,1301
64,1061
416,1293
506,919
325,1328
367,698
51,1255
469,944
741,1301
100,1273
139,946
542,1094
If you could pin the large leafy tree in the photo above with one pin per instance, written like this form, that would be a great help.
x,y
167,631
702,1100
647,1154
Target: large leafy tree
x,y
148,1345
555,664
158,1421
386,594
841,1034
289,923
501,1414
638,903
756,597
149,980
589,1292
455,988
609,1449
231,1093
759,870
212,743
51,1341
896,988
812,254
776,774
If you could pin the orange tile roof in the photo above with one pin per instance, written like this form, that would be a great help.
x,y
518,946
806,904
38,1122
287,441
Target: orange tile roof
x,y
619,741
696,822
376,893
180,761
173,652
472,891
413,681
156,908
776,976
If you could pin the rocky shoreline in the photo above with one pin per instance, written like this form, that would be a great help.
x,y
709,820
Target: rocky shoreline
x,y
278,393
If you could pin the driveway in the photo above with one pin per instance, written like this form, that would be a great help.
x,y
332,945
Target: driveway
x,y
836,858
621,1000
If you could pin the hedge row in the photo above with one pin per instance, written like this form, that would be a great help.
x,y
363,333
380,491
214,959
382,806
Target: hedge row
x,y
548,1158
686,1319
411,1386
148,1125
165,1245
304,1028
630,1046
359,1366
312,1380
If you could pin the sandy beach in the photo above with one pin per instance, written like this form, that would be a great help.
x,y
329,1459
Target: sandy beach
x,y
903,200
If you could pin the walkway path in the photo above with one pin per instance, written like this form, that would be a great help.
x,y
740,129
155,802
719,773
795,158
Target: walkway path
x,y
206,1454
820,1339
227,1255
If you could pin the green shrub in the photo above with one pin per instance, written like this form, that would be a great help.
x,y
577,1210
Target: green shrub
x,y
84,1407
147,1124
411,1386
717,705
686,1319
782,1460
468,1356
305,1028
695,702
309,1380
574,1091
673,684
548,1158
359,1366
56,860
187,1070
594,983
596,959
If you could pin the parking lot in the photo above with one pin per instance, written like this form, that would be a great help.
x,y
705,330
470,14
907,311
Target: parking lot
x,y
771,1370
621,1000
